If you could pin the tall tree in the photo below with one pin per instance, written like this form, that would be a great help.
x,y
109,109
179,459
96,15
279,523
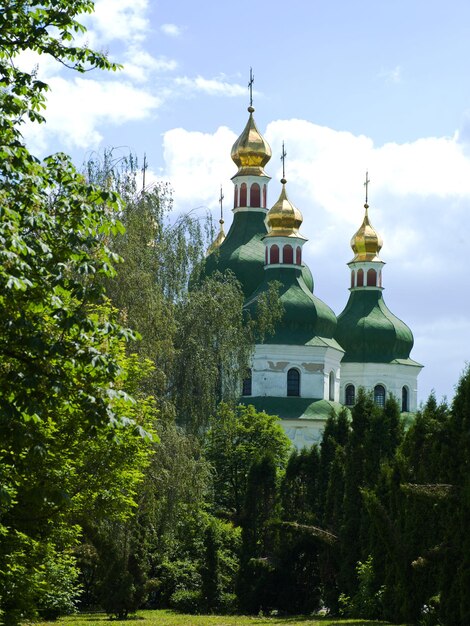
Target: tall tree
x,y
62,373
237,437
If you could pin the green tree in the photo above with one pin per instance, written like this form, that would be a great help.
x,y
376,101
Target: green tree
x,y
236,438
62,370
257,588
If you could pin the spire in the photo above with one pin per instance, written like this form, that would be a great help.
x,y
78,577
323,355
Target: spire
x,y
251,151
366,242
284,219
221,236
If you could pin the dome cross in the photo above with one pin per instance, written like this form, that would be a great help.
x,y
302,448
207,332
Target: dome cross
x,y
366,185
250,86
283,159
221,198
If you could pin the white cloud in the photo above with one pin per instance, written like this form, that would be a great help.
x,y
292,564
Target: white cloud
x,y
197,164
124,20
211,86
141,65
391,76
172,30
77,108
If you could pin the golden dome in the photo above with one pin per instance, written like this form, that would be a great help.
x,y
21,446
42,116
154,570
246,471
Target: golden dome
x,y
251,151
218,241
366,243
284,219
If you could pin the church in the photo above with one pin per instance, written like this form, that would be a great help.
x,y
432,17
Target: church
x,y
315,360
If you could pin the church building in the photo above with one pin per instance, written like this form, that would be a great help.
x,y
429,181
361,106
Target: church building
x,y
314,360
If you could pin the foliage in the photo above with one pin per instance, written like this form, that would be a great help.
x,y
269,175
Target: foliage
x,y
65,410
213,350
367,601
236,438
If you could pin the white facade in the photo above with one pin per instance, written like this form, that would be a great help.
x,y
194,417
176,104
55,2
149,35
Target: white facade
x,y
392,376
316,365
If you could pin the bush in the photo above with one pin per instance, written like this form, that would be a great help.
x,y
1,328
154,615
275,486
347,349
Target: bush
x,y
186,601
228,604
367,602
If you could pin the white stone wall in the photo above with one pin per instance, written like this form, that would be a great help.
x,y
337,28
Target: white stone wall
x,y
272,362
393,376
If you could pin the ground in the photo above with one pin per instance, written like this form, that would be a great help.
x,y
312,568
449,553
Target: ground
x,y
169,618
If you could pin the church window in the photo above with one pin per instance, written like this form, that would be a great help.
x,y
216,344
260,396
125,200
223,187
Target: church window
x,y
350,395
274,254
243,194
255,199
371,278
246,388
235,199
379,395
331,382
266,256
404,399
352,279
293,382
360,278
288,254
298,255
265,199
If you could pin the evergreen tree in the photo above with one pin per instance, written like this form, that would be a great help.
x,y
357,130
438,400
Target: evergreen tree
x,y
257,588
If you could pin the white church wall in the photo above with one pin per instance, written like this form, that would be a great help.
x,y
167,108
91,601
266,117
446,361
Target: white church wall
x,y
393,376
272,362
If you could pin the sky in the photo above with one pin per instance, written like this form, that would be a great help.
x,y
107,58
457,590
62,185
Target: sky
x,y
377,85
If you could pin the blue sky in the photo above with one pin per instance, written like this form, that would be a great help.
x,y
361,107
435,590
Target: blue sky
x,y
348,86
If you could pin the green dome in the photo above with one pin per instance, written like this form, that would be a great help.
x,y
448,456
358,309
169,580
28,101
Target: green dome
x,y
243,252
369,332
306,319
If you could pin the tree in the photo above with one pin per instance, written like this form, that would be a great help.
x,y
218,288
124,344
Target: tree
x,y
62,370
237,437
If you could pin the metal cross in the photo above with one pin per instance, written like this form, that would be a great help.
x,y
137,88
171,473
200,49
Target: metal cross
x,y
220,202
250,86
283,159
366,185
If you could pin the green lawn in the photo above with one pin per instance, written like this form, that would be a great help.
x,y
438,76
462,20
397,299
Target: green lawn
x,y
169,618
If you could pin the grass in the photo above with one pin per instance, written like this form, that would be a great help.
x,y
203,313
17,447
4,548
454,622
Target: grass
x,y
170,618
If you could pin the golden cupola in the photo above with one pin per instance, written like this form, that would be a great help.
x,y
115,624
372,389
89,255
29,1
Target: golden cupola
x,y
366,242
284,219
251,151
218,240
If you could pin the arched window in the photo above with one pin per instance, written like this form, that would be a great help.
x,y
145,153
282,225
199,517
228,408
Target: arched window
x,y
379,395
332,385
235,199
352,279
360,278
404,399
243,194
380,278
298,255
287,254
274,254
246,388
266,255
350,395
371,278
255,195
265,199
293,382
